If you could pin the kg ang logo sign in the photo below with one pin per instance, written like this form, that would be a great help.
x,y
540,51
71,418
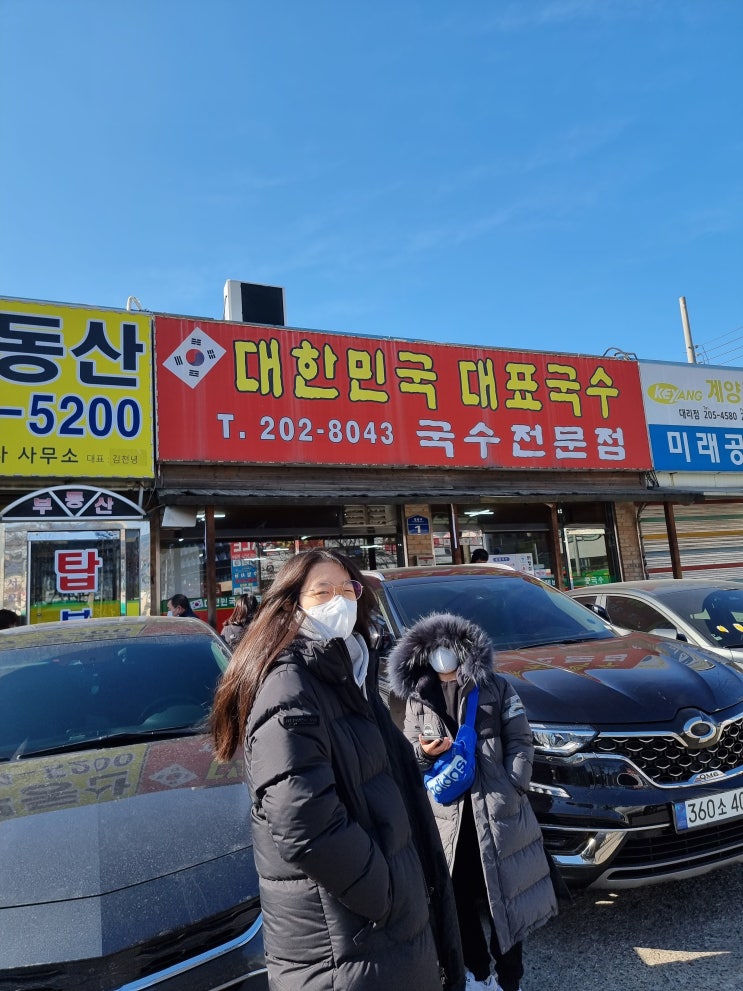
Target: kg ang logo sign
x,y
694,415
194,357
668,395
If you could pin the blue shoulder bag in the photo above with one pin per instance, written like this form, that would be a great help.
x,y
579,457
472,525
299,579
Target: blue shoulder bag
x,y
454,771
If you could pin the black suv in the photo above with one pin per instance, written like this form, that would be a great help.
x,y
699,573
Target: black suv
x,y
638,775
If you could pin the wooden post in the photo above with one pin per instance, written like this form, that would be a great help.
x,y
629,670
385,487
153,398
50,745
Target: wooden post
x,y
673,540
457,556
556,546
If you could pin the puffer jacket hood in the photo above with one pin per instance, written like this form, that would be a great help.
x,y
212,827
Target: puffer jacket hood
x,y
408,661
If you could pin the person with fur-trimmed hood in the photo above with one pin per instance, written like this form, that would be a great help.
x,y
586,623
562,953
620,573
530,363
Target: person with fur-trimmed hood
x,y
491,838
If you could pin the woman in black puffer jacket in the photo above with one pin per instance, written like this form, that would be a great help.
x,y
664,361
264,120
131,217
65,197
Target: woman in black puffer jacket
x,y
354,886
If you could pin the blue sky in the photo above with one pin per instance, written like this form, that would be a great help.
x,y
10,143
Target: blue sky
x,y
537,174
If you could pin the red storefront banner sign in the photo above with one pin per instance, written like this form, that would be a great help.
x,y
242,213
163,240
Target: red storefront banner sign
x,y
230,392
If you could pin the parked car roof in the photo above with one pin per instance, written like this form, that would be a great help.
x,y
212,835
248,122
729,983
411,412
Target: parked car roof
x,y
662,585
702,611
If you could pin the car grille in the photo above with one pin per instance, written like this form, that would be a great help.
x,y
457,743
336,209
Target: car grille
x,y
666,759
648,855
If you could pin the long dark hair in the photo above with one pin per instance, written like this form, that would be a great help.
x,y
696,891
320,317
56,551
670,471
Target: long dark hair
x,y
273,629
246,606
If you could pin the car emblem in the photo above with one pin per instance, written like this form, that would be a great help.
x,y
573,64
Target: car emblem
x,y
700,731
707,776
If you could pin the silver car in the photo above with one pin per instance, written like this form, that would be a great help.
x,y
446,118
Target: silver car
x,y
127,854
706,613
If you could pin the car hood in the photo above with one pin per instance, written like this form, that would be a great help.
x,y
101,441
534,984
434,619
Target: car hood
x,y
104,849
619,681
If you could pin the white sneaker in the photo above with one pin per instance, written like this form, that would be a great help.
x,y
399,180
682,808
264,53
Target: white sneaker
x,y
489,984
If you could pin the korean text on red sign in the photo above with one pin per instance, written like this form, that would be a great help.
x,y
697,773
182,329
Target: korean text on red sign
x,y
272,395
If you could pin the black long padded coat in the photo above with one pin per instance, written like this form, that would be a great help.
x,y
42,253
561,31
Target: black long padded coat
x,y
354,885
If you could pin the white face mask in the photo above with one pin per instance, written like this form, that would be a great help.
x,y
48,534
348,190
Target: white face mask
x,y
170,612
443,660
336,618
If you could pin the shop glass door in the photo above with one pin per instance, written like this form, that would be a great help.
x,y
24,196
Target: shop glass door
x,y
587,556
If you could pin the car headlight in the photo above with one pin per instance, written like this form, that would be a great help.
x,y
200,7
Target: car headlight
x,y
561,741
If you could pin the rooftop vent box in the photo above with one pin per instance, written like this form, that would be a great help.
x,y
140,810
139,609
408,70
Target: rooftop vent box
x,y
248,302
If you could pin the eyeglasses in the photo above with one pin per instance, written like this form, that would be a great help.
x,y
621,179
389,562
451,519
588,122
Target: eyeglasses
x,y
325,591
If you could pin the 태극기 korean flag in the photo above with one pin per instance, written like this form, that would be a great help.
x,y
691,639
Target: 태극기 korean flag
x,y
194,357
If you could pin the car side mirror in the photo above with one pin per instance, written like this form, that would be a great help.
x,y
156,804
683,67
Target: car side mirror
x,y
600,611
380,637
668,633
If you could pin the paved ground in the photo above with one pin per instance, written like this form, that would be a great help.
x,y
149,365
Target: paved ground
x,y
683,935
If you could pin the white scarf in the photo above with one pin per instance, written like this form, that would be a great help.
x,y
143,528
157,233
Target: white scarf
x,y
355,644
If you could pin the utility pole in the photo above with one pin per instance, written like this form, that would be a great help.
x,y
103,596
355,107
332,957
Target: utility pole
x,y
691,355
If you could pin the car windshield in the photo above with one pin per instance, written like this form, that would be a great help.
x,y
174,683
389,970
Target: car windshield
x,y
515,612
68,696
716,613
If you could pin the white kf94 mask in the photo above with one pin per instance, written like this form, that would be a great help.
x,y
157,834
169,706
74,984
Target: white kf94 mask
x,y
443,660
336,618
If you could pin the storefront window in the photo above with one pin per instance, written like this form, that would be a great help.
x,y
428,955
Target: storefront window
x,y
75,569
74,575
368,553
534,544
520,532
182,569
250,566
